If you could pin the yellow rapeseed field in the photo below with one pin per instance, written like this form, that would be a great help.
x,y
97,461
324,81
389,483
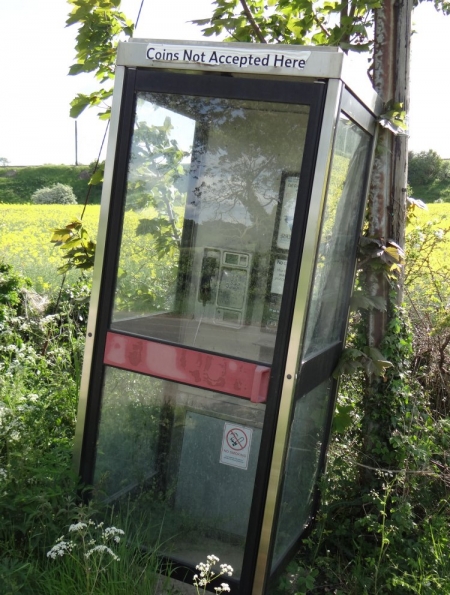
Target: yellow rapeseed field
x,y
25,232
434,211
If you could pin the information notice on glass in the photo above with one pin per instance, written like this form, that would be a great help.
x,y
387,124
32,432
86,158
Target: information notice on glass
x,y
236,442
279,274
287,212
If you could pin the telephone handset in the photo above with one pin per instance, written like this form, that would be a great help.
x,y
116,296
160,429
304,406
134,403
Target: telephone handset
x,y
208,279
223,285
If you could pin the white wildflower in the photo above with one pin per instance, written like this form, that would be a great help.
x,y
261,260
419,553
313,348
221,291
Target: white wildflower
x,y
207,575
112,532
77,527
103,549
60,548
226,569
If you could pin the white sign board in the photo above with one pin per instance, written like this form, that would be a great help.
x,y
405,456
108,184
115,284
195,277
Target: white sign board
x,y
272,57
236,442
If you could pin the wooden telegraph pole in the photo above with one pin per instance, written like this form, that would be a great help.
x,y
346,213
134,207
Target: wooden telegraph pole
x,y
387,216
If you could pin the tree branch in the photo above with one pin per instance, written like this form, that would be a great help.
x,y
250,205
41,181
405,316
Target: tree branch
x,y
319,23
256,29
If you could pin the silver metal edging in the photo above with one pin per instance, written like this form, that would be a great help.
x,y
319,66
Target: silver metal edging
x,y
358,112
330,119
98,265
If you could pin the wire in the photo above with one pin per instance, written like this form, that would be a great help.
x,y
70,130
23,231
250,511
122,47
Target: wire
x,y
138,16
95,169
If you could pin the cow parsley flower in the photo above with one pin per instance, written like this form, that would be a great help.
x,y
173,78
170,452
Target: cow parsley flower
x,y
60,548
77,527
207,575
102,549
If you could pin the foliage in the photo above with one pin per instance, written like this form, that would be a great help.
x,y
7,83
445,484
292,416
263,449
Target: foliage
x,y
39,363
18,184
394,118
427,167
140,287
11,285
79,249
59,194
101,24
302,22
427,288
4,162
41,346
156,167
383,525
103,556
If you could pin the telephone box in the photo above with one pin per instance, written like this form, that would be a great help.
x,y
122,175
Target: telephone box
x,y
234,191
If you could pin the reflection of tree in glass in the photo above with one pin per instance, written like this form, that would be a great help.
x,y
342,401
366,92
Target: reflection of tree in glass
x,y
338,239
223,192
154,206
128,436
241,148
155,167
247,153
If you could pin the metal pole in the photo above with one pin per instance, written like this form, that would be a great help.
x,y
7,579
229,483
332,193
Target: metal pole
x,y
76,143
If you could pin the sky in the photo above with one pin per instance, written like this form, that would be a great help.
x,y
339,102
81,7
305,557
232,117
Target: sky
x,y
36,50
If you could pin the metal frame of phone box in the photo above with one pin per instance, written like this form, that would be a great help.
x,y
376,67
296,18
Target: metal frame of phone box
x,y
318,78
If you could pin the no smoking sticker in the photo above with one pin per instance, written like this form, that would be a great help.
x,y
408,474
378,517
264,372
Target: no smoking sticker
x,y
236,443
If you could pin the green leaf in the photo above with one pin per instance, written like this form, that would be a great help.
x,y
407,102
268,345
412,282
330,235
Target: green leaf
x,y
342,418
97,176
78,105
79,249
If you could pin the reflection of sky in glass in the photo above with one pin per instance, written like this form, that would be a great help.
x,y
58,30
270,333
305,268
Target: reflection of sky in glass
x,y
242,148
183,127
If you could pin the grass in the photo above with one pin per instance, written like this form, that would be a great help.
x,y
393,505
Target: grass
x,y
438,190
17,184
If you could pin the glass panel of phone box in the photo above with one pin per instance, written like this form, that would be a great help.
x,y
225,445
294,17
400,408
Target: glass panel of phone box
x,y
325,325
210,199
328,310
